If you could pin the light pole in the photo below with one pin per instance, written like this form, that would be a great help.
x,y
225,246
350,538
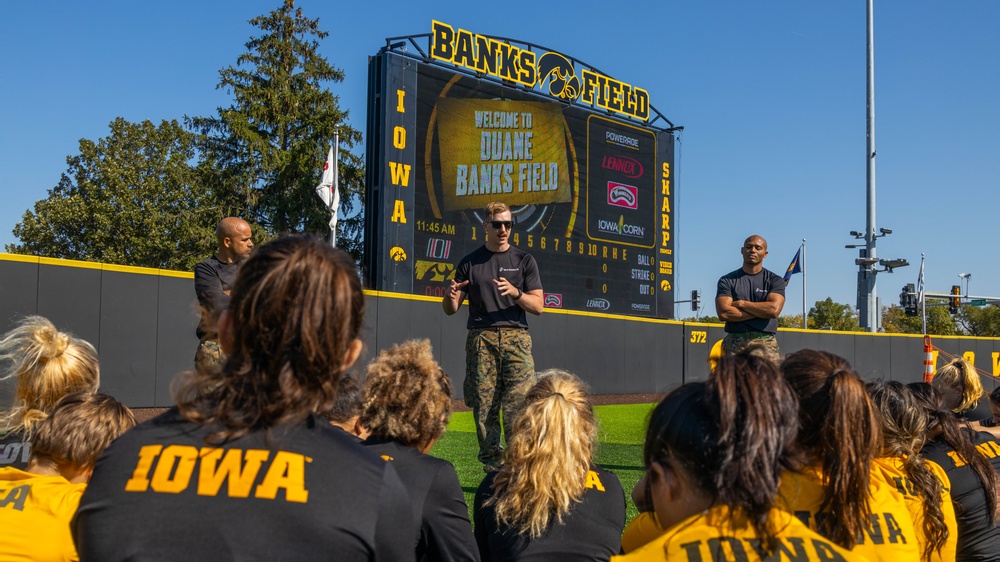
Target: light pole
x,y
965,277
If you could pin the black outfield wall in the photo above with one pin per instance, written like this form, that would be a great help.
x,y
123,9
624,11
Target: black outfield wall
x,y
142,322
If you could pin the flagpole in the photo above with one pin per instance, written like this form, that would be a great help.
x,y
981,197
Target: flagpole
x,y
923,299
336,187
804,271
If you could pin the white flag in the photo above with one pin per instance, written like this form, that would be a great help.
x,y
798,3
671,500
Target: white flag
x,y
326,190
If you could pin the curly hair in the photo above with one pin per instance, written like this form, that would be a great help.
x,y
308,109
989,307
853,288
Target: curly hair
x,y
547,457
48,365
841,432
407,395
296,311
904,432
960,376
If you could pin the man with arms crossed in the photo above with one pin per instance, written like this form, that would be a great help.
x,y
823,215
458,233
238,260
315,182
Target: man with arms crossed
x,y
213,279
502,282
750,300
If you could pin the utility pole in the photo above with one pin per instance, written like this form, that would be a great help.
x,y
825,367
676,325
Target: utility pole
x,y
867,302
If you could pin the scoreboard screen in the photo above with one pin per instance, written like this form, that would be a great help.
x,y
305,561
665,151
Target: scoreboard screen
x,y
588,184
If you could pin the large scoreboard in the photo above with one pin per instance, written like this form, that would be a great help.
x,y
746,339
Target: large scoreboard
x,y
457,120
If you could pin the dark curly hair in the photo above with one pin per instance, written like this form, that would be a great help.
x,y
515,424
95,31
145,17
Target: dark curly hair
x,y
407,395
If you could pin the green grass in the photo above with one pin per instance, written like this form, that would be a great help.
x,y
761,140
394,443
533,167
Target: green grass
x,y
623,428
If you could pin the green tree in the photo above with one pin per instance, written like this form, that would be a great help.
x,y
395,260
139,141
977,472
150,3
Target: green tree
x,y
793,321
130,198
829,315
269,146
980,321
939,322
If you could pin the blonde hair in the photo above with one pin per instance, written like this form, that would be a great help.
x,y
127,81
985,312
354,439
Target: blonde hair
x,y
407,395
548,456
960,375
495,207
80,427
48,365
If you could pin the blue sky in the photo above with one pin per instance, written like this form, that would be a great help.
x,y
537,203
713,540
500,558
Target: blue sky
x,y
771,95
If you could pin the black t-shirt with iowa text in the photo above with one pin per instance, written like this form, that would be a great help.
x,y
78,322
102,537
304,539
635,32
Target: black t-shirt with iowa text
x,y
300,492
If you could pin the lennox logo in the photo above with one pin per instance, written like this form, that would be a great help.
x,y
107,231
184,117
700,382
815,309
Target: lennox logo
x,y
599,304
622,195
629,167
553,300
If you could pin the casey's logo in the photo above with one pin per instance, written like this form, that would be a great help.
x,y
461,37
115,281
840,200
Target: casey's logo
x,y
622,195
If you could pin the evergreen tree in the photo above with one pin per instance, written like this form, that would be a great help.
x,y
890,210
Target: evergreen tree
x,y
269,146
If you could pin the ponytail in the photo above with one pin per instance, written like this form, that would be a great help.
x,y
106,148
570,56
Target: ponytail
x,y
840,432
959,438
732,435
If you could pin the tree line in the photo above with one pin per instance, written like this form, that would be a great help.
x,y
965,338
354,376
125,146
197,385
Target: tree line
x,y
829,315
149,194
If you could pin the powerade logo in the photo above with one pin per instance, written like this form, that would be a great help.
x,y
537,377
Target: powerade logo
x,y
553,300
623,195
621,228
641,307
599,304
628,167
619,139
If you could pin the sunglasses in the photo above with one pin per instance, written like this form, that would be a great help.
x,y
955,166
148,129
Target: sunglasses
x,y
506,224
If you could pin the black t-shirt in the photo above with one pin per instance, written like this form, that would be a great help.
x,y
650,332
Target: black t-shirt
x,y
14,450
298,492
437,501
592,529
487,309
740,285
213,279
977,539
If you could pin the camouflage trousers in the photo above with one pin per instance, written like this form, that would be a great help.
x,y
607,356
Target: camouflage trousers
x,y
766,343
209,358
498,372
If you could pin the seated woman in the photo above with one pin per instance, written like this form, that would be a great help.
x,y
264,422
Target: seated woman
x,y
407,403
923,484
48,364
243,468
714,455
960,388
37,504
549,501
973,478
838,493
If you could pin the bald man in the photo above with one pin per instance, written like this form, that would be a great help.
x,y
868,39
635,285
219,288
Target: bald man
x,y
213,279
750,300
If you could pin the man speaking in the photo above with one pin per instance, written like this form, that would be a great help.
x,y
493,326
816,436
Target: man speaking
x,y
750,300
502,282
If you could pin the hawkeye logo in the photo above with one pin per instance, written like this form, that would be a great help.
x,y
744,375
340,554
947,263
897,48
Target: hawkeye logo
x,y
621,195
501,59
621,228
434,271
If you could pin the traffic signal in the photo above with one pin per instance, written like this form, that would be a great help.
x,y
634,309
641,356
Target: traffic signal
x,y
695,300
908,299
956,301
